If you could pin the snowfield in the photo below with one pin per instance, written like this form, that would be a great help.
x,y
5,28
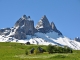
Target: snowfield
x,y
45,39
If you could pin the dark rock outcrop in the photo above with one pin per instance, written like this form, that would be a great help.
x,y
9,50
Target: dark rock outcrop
x,y
5,31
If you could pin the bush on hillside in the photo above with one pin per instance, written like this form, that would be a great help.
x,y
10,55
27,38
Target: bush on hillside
x,y
67,49
36,51
40,49
32,50
44,50
26,52
50,49
58,49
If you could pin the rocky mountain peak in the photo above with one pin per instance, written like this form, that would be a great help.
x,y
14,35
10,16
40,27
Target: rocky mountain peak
x,y
44,26
43,17
24,26
43,23
24,17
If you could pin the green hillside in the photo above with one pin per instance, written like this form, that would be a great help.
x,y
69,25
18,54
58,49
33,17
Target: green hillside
x,y
16,51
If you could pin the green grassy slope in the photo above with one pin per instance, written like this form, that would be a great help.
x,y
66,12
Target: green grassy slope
x,y
16,51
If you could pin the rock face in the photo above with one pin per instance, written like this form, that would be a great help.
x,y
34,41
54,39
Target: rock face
x,y
24,26
43,25
53,27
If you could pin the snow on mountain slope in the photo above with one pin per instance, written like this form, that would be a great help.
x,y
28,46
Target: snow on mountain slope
x,y
12,33
54,39
45,39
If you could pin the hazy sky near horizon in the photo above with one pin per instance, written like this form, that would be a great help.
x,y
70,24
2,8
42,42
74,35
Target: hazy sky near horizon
x,y
64,13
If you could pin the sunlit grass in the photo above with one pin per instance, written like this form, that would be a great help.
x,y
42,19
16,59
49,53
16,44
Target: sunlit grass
x,y
16,51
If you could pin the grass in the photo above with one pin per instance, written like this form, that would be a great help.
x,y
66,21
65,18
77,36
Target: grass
x,y
16,51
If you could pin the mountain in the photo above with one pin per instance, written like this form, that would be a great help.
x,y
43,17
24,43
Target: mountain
x,y
44,33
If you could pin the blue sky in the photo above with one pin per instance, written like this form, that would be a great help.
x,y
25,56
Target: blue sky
x,y
64,13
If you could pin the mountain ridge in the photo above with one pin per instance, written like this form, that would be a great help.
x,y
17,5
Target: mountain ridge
x,y
25,26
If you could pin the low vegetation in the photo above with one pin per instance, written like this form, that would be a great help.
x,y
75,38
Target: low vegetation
x,y
58,49
17,51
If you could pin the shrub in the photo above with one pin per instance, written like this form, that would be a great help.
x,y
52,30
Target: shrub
x,y
44,50
32,50
36,51
67,49
26,52
58,49
50,49
40,49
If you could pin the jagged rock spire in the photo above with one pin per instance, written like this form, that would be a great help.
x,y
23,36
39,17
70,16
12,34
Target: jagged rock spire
x,y
43,23
53,26
24,17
